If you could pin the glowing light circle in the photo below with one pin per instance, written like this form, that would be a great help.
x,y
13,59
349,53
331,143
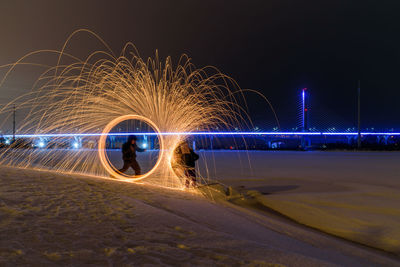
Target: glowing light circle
x,y
102,147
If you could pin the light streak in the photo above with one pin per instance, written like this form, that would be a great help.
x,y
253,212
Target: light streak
x,y
198,133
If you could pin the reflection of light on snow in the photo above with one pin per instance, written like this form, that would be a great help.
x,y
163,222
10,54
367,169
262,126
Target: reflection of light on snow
x,y
75,145
41,144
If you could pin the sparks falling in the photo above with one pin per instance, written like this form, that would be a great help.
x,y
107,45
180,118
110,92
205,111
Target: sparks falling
x,y
86,95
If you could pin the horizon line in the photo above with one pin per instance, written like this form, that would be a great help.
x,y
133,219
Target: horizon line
x,y
200,133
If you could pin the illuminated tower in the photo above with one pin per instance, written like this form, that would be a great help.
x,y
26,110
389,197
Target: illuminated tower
x,y
358,116
304,108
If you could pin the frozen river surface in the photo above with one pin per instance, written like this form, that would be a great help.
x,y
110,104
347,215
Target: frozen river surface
x,y
259,168
353,195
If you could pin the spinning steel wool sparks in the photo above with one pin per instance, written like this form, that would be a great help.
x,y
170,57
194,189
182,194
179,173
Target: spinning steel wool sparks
x,y
86,95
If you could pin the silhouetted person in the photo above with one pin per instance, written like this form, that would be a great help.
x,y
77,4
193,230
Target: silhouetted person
x,y
129,155
185,159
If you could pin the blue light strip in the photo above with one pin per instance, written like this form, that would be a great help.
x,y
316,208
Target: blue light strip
x,y
200,133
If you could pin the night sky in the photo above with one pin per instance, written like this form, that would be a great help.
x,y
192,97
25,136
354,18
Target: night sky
x,y
273,46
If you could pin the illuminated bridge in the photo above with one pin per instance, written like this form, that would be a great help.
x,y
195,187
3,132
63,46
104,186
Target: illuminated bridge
x,y
226,140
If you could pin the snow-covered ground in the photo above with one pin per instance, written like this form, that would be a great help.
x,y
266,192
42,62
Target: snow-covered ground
x,y
69,219
354,195
58,219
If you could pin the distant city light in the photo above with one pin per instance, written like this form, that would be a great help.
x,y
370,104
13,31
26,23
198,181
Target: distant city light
x,y
41,144
75,145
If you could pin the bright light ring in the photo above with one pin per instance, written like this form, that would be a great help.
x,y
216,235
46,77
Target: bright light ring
x,y
102,150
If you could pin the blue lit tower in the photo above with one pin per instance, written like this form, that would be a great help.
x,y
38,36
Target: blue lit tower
x,y
305,140
304,108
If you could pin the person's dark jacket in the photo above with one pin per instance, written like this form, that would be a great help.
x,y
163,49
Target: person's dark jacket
x,y
129,151
185,156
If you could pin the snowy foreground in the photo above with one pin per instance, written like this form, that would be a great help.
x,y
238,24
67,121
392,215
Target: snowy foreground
x,y
56,219
353,195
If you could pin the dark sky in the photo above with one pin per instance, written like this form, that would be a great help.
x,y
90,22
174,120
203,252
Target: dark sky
x,y
273,46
